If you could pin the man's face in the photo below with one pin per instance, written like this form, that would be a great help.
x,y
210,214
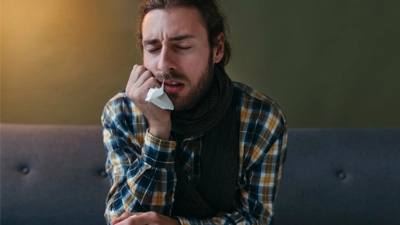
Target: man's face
x,y
176,48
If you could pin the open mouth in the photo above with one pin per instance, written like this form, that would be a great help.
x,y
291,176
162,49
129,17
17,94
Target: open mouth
x,y
173,83
173,86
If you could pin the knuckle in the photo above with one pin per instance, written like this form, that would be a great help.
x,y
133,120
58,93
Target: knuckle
x,y
124,215
132,94
136,95
151,81
147,74
131,220
128,92
152,215
140,68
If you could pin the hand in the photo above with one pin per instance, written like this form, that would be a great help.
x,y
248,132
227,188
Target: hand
x,y
139,83
148,218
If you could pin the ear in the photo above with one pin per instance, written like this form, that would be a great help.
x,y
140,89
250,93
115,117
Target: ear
x,y
219,47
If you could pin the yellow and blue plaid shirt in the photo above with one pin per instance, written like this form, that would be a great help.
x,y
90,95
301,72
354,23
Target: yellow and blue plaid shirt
x,y
141,166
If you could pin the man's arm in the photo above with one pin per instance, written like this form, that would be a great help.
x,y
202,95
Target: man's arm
x,y
140,165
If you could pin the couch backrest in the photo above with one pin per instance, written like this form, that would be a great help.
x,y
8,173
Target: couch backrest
x,y
55,175
52,175
340,176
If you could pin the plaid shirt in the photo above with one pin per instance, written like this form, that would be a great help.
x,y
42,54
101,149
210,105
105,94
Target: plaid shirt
x,y
141,166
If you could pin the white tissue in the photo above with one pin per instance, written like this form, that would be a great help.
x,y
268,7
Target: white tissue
x,y
158,97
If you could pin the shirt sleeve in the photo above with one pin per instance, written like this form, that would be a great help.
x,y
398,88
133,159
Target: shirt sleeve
x,y
141,171
262,169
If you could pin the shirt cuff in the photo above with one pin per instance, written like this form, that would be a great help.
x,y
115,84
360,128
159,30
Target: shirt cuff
x,y
183,221
158,153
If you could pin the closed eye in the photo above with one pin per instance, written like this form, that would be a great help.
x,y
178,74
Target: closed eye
x,y
152,50
183,47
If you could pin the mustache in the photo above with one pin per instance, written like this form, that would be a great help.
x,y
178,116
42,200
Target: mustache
x,y
160,76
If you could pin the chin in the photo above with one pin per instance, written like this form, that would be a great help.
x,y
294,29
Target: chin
x,y
182,105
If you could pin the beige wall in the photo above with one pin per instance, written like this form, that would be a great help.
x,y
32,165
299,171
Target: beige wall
x,y
328,64
62,60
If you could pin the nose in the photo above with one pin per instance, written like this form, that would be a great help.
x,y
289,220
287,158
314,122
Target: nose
x,y
166,60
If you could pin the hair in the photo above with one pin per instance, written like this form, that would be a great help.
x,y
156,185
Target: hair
x,y
210,11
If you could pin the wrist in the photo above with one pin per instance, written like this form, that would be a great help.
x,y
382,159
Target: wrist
x,y
160,131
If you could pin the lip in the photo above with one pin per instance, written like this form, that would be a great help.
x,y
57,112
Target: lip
x,y
172,86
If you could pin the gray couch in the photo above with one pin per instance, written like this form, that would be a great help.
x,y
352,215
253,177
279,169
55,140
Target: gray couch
x,y
55,175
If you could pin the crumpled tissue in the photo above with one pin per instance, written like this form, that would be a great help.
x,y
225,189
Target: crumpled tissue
x,y
158,97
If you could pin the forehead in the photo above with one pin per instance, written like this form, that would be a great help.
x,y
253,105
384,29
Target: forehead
x,y
175,21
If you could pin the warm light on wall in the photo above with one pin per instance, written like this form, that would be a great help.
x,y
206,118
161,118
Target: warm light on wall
x,y
58,57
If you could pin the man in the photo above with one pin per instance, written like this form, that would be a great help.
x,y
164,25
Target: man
x,y
217,157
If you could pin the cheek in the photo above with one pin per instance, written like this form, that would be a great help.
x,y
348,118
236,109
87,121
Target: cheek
x,y
150,64
197,64
146,61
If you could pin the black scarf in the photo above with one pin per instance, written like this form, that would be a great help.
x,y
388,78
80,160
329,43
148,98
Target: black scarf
x,y
215,116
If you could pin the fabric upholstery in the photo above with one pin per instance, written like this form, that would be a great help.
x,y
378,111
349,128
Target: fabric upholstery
x,y
340,176
54,174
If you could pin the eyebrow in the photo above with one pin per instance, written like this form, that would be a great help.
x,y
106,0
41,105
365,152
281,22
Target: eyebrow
x,y
181,37
176,38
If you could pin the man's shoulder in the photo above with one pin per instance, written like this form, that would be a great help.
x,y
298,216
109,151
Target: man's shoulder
x,y
251,93
257,102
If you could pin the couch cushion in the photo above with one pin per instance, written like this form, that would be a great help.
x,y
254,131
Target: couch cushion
x,y
340,176
52,175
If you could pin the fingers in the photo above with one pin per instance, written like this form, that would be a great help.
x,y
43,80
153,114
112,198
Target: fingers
x,y
140,81
125,217
146,218
139,75
135,70
121,218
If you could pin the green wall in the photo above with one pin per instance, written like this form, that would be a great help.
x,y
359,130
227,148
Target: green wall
x,y
326,63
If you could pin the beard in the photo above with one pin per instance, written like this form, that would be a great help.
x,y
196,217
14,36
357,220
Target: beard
x,y
196,92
